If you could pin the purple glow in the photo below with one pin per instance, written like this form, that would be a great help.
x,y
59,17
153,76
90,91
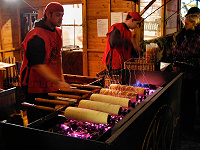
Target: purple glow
x,y
151,91
86,130
64,127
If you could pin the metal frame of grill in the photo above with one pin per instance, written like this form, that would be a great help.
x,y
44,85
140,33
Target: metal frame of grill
x,y
137,130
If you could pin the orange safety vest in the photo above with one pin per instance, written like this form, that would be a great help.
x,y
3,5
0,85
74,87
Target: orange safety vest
x,y
120,54
53,44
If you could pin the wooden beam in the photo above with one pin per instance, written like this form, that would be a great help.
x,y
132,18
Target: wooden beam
x,y
163,26
109,14
0,26
85,37
19,26
149,5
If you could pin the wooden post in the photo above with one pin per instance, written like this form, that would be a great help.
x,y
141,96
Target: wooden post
x,y
0,26
140,31
149,5
163,26
85,47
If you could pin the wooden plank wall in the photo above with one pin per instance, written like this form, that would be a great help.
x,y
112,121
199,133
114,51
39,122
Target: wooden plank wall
x,y
10,28
10,34
93,46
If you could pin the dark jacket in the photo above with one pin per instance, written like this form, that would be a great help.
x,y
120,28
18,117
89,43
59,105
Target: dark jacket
x,y
187,54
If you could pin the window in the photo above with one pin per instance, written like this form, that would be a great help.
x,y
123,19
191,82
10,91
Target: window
x,y
152,20
152,16
72,27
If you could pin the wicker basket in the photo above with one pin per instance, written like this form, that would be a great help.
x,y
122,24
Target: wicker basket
x,y
138,64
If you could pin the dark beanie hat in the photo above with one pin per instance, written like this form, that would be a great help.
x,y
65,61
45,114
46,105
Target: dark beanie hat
x,y
54,7
193,10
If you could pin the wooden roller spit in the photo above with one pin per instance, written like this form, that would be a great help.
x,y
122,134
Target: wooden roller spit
x,y
38,107
66,99
76,91
124,102
86,86
74,113
101,106
125,94
87,115
62,104
69,78
139,90
58,102
65,95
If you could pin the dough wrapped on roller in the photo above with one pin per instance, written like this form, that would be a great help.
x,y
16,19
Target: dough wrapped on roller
x,y
139,90
86,115
124,102
125,94
105,91
115,86
101,106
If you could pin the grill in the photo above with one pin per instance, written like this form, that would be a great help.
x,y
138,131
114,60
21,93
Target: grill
x,y
7,102
154,122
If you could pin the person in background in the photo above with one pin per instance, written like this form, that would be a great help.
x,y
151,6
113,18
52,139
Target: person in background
x,y
121,43
187,60
183,32
41,70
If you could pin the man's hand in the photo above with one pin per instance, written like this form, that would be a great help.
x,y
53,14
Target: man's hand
x,y
62,85
47,73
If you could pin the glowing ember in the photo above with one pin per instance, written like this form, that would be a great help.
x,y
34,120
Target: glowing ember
x,y
149,90
86,130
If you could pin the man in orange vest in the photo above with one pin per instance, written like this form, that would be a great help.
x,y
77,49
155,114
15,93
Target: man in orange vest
x,y
41,70
121,43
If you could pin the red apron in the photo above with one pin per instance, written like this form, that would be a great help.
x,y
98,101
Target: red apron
x,y
53,44
119,53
